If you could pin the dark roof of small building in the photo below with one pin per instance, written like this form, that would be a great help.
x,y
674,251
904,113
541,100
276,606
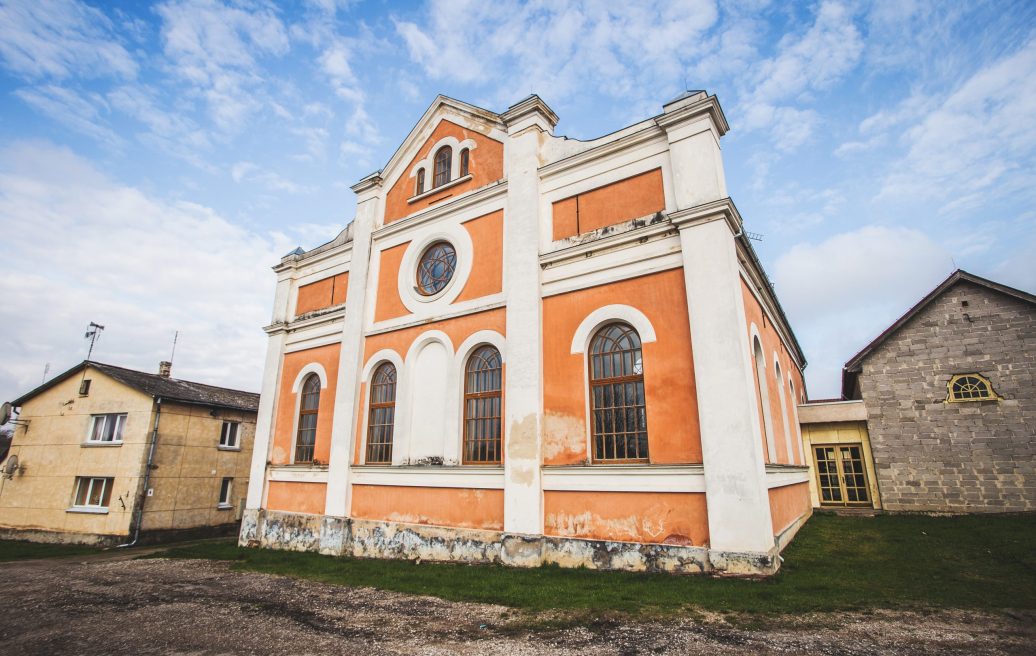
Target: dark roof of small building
x,y
855,363
171,389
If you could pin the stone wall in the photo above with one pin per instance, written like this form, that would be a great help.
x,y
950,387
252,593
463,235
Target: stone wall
x,y
956,457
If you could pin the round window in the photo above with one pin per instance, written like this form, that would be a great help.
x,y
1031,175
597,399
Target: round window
x,y
436,268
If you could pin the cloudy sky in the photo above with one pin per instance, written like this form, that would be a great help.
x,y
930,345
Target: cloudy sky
x,y
157,159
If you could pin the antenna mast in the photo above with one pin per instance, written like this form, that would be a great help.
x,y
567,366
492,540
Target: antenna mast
x,y
46,370
93,331
176,336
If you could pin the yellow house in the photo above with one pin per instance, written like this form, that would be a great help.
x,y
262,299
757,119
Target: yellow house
x,y
838,452
107,455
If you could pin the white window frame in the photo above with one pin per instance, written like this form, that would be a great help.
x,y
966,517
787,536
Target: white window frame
x,y
235,432
225,499
90,481
120,424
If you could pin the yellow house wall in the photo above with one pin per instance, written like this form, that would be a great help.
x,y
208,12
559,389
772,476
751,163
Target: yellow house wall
x,y
191,465
838,432
51,450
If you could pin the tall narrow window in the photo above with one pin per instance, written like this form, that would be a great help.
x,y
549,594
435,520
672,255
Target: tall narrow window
x,y
308,406
764,399
443,162
464,155
228,434
482,401
617,406
382,415
420,182
225,486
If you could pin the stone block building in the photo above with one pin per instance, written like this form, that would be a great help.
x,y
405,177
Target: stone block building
x,y
950,396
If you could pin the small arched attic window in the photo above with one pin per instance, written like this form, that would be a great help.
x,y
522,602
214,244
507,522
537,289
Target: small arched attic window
x,y
443,162
420,182
465,156
970,387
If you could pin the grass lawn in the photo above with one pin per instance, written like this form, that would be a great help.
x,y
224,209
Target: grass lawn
x,y
835,563
18,550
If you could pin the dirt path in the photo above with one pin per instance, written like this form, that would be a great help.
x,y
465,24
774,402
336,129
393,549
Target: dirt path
x,y
96,605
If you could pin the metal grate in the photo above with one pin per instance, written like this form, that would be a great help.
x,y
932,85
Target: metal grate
x,y
382,415
482,405
618,408
309,405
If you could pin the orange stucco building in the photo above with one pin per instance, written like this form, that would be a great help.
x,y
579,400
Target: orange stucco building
x,y
531,349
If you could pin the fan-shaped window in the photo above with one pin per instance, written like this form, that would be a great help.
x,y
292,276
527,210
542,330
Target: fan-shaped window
x,y
970,387
309,404
443,162
435,268
382,415
482,405
464,156
617,407
420,182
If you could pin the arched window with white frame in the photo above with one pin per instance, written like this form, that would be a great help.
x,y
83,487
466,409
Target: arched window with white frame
x,y
483,404
764,399
443,163
618,409
381,417
420,182
465,162
309,412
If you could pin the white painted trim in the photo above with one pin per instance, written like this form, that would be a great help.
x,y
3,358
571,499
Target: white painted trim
x,y
438,190
617,312
460,362
762,391
298,474
406,282
787,475
795,421
404,411
428,163
625,478
383,355
311,368
474,306
783,398
469,476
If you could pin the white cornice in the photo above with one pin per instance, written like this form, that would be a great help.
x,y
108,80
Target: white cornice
x,y
636,231
603,150
683,113
434,212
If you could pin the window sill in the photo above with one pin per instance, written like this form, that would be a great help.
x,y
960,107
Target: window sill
x,y
87,511
94,444
227,448
224,506
432,192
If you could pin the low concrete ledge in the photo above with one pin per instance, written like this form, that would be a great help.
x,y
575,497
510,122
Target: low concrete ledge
x,y
364,538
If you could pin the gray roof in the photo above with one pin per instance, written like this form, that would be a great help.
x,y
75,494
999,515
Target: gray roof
x,y
171,389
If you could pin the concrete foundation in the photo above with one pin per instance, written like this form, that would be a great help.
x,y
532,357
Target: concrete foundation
x,y
363,538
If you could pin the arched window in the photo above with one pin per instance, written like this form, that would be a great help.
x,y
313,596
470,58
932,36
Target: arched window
x,y
420,182
482,405
617,409
764,399
309,404
443,162
785,424
382,415
970,387
464,155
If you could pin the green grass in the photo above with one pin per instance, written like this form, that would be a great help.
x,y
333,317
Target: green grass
x,y
835,563
17,550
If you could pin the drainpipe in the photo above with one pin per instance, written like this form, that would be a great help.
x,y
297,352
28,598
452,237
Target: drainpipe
x,y
147,477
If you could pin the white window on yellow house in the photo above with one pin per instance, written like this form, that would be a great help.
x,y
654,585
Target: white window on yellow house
x,y
225,490
229,434
106,429
92,494
970,387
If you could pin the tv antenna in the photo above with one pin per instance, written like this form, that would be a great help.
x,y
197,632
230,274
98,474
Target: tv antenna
x,y
176,336
46,370
93,331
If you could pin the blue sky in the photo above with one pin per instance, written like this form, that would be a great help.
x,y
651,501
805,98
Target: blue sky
x,y
157,159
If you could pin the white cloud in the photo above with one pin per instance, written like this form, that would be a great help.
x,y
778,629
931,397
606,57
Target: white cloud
x,y
81,247
976,144
842,292
81,112
59,39
252,173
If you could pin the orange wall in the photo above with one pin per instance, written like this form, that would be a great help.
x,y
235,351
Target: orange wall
x,y
438,506
787,504
388,305
486,165
620,201
284,421
296,497
487,269
322,293
672,405
653,517
771,342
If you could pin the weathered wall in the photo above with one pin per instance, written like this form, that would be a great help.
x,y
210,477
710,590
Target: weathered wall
x,y
672,406
190,466
620,201
788,504
287,403
437,506
647,517
322,294
305,498
487,242
51,449
958,457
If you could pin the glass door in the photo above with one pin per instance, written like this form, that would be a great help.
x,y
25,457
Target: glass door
x,y
841,475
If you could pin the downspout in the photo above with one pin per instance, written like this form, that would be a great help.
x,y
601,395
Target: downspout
x,y
147,476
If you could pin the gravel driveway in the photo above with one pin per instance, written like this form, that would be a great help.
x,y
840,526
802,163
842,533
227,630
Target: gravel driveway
x,y
106,605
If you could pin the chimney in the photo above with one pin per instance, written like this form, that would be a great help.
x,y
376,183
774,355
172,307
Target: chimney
x,y
165,369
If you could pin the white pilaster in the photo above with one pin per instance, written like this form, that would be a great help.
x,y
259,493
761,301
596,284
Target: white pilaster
x,y
350,363
735,477
268,393
528,122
